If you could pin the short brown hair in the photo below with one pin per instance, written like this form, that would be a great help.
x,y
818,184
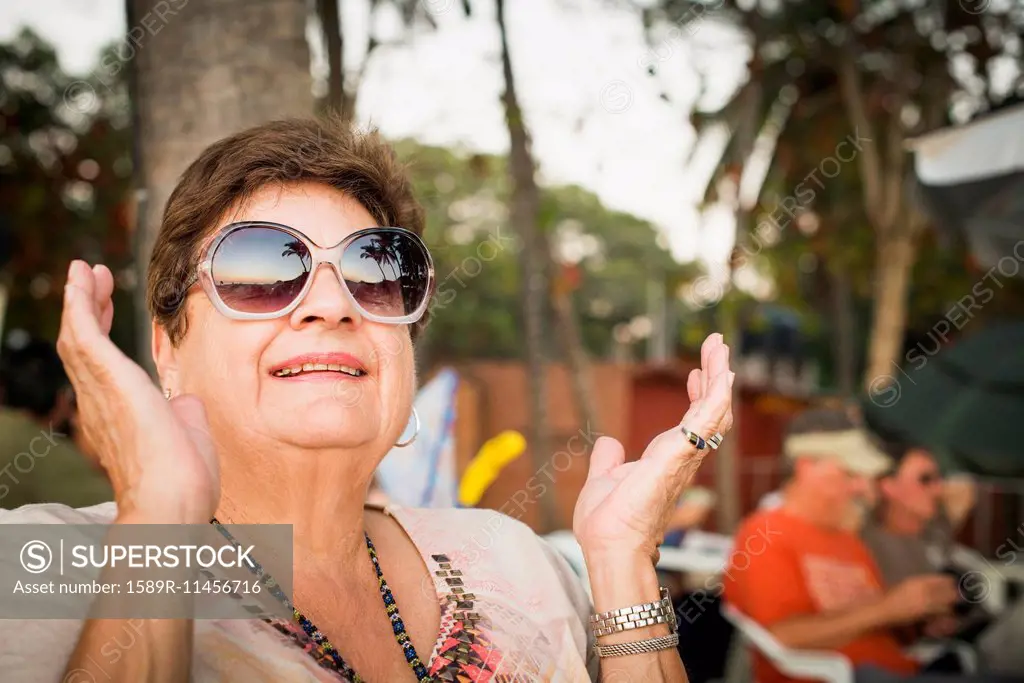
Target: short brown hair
x,y
230,171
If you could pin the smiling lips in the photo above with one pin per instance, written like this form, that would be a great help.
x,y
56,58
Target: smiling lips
x,y
336,363
318,367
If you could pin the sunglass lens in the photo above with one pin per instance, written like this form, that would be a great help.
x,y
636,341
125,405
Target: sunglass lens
x,y
260,269
387,272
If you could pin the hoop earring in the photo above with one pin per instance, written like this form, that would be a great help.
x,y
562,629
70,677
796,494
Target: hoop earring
x,y
416,419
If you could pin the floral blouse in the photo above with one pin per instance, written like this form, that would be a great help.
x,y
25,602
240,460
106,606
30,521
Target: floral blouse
x,y
512,611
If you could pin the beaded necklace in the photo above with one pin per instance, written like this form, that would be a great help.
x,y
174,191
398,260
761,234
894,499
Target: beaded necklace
x,y
333,658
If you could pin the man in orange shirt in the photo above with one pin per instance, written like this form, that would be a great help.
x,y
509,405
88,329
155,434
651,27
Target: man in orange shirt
x,y
798,571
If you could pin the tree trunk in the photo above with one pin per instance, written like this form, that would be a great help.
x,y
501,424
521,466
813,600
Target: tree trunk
x,y
893,264
330,26
524,213
573,351
883,175
843,328
201,76
578,362
728,457
896,234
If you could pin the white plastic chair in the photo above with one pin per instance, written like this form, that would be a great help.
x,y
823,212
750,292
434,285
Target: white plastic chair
x,y
698,539
803,664
710,556
993,582
925,652
832,666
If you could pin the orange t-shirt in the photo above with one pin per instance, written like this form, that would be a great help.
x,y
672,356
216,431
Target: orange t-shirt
x,y
783,567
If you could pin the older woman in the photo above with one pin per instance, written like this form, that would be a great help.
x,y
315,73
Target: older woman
x,y
285,309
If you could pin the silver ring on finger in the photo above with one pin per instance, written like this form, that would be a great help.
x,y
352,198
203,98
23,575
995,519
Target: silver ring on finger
x,y
694,438
715,440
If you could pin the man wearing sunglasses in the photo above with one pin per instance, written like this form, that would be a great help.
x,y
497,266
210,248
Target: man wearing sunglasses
x,y
910,534
904,533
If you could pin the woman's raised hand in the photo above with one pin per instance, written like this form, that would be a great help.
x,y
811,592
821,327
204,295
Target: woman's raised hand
x,y
624,508
158,454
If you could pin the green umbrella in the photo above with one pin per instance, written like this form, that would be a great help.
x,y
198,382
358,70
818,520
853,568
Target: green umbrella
x,y
964,402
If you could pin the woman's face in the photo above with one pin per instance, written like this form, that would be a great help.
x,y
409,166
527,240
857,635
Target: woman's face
x,y
231,364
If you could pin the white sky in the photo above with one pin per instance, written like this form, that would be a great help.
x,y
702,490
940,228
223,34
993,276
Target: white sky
x,y
595,116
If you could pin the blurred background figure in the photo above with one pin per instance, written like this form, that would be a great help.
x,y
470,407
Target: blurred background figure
x,y
911,532
692,512
39,462
695,507
858,507
833,596
831,461
703,643
903,531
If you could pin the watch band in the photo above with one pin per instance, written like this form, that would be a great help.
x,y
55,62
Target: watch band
x,y
636,616
637,647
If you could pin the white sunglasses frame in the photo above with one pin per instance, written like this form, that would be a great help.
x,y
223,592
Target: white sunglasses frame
x,y
330,256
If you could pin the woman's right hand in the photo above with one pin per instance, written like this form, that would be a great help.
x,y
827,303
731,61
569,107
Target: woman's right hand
x,y
158,454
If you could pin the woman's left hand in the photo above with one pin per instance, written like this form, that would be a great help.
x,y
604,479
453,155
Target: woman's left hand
x,y
624,507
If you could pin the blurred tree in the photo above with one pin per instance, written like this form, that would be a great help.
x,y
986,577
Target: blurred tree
x,y
477,311
343,83
199,76
64,175
535,258
339,98
870,74
607,258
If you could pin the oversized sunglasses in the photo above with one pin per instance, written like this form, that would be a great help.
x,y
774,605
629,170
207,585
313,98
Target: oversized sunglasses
x,y
257,271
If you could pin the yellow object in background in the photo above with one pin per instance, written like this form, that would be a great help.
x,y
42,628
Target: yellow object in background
x,y
490,460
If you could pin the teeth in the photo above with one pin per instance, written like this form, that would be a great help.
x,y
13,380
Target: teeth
x,y
319,367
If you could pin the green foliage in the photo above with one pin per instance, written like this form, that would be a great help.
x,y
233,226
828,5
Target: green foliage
x,y
65,165
477,312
